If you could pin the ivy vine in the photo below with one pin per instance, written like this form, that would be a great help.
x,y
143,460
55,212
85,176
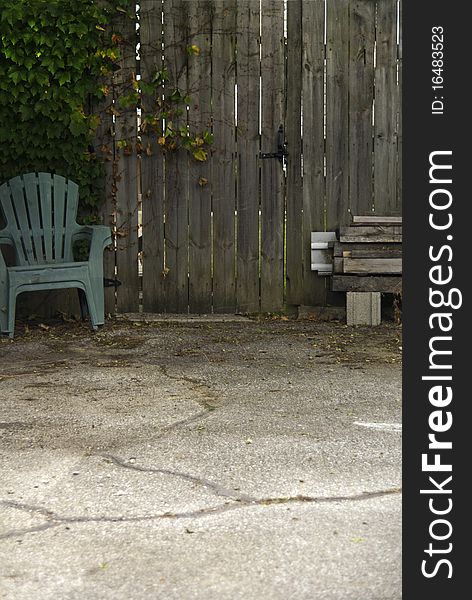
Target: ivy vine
x,y
57,64
54,55
165,116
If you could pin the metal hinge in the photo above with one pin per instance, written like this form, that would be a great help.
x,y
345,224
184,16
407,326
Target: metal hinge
x,y
281,147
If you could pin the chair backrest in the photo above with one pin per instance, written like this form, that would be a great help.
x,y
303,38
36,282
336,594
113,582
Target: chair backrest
x,y
40,210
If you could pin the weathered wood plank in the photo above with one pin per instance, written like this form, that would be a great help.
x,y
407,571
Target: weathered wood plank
x,y
104,148
371,250
248,144
126,176
386,109
338,265
376,220
152,162
199,206
176,164
400,111
370,234
272,176
294,274
367,266
337,114
361,95
314,185
366,283
223,181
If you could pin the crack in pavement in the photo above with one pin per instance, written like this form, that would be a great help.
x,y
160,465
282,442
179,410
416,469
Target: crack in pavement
x,y
206,394
218,489
55,520
187,421
238,501
203,401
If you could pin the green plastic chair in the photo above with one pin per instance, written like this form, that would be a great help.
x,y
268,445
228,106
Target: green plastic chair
x,y
40,211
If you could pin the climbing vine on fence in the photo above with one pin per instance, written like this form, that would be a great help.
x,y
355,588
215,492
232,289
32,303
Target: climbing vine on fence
x,y
54,57
57,64
170,106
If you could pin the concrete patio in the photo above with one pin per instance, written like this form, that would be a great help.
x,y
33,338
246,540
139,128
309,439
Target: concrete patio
x,y
204,459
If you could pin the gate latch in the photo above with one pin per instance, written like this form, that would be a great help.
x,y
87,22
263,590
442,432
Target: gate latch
x,y
281,147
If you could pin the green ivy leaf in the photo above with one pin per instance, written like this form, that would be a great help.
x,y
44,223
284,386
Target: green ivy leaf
x,y
208,137
200,154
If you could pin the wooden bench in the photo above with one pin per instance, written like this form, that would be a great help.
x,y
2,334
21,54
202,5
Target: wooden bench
x,y
367,260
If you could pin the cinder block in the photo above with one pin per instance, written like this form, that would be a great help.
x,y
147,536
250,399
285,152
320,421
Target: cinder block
x,y
363,308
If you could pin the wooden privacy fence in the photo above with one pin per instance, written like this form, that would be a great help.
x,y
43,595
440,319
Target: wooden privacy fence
x,y
233,233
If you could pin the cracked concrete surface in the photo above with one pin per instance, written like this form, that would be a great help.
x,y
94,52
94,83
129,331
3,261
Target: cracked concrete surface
x,y
201,460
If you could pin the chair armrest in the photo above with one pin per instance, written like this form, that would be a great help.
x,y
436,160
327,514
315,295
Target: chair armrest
x,y
99,236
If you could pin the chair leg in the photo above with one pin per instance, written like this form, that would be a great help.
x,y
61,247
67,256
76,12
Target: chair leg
x,y
84,312
11,312
4,316
92,309
96,288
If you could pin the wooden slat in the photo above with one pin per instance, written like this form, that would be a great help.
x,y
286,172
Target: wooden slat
x,y
272,176
152,163
361,95
176,164
104,147
360,283
365,266
386,109
31,192
72,197
45,196
376,220
59,202
199,85
400,111
371,250
248,147
18,199
338,265
371,234
222,181
294,240
337,113
126,178
314,189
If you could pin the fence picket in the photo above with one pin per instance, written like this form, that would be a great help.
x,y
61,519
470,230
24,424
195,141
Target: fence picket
x,y
272,176
176,164
152,163
386,109
199,88
294,212
126,177
337,114
248,147
314,185
361,88
222,180
399,177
